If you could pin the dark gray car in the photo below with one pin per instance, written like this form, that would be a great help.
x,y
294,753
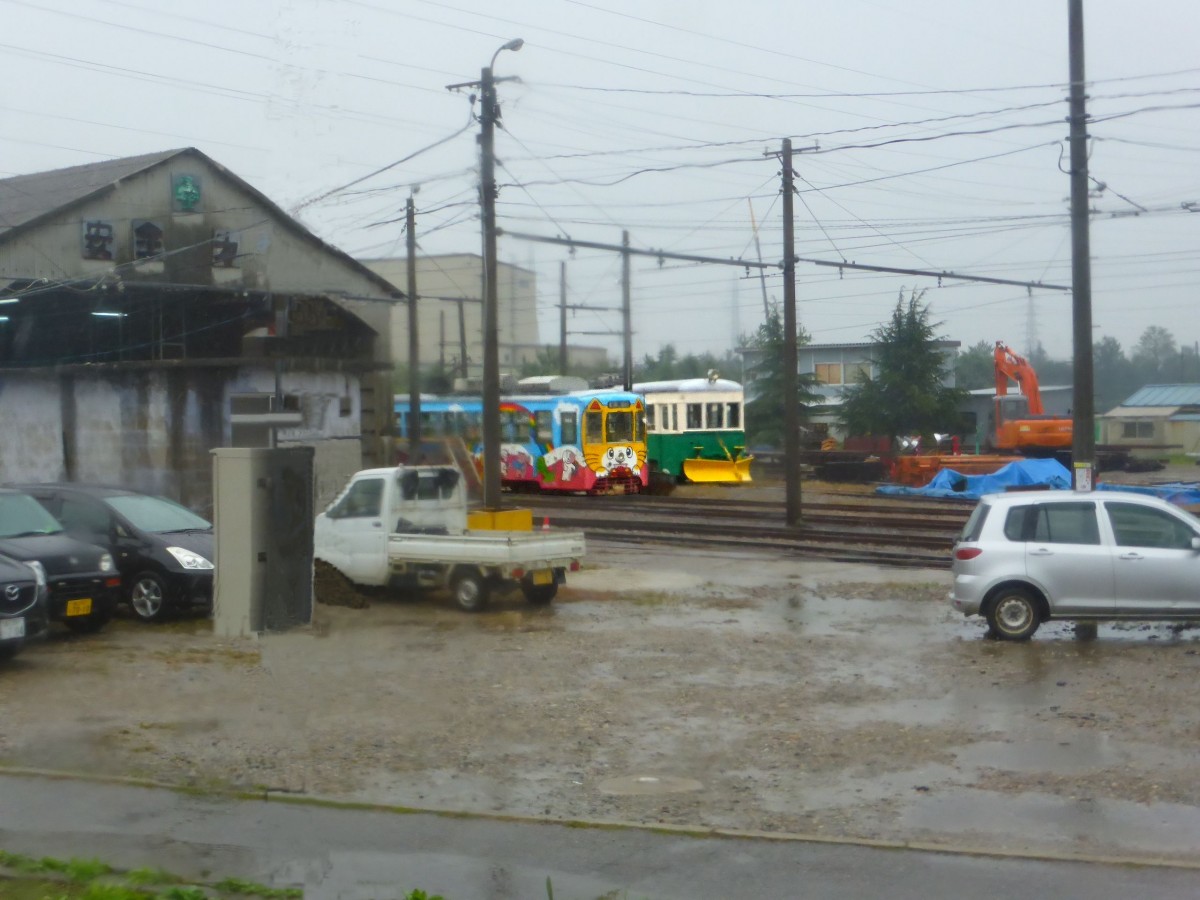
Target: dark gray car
x,y
22,604
162,550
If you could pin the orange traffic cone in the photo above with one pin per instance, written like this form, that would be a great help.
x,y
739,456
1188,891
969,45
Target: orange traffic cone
x,y
545,523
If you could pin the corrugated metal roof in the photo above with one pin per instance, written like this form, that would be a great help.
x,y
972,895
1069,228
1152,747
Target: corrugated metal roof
x,y
1140,412
24,198
1166,395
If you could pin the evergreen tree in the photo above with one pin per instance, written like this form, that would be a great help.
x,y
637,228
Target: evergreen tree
x,y
975,367
908,396
765,412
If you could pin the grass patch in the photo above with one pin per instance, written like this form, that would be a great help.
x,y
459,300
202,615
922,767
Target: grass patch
x,y
46,878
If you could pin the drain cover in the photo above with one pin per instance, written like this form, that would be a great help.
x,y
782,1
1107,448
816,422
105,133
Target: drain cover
x,y
634,785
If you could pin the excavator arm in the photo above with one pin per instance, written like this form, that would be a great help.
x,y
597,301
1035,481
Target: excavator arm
x,y
1010,365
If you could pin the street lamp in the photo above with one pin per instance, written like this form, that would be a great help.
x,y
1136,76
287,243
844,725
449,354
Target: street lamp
x,y
489,113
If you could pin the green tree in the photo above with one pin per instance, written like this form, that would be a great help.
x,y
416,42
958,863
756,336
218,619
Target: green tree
x,y
765,412
908,396
1155,357
975,367
1112,374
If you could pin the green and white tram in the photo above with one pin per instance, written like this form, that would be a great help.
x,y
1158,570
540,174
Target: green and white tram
x,y
695,430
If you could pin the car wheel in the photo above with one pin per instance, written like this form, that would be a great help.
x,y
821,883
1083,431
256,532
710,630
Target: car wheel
x,y
147,597
538,594
470,591
1014,615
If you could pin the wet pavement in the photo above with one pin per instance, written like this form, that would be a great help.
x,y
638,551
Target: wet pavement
x,y
695,690
341,854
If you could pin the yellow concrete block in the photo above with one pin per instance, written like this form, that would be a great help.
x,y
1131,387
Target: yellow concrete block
x,y
500,520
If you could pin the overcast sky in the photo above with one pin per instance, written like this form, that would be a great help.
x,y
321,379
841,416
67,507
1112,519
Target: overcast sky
x,y
934,135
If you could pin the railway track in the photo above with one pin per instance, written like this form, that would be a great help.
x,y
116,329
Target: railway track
x,y
850,529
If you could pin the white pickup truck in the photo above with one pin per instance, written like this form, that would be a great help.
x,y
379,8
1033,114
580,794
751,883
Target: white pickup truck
x,y
406,528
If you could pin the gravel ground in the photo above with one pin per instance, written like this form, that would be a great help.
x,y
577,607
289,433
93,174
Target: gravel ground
x,y
695,689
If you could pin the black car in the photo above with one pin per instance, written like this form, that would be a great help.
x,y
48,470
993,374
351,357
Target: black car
x,y
82,579
163,551
22,604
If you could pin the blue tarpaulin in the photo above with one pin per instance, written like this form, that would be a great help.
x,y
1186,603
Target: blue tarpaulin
x,y
1020,473
1178,492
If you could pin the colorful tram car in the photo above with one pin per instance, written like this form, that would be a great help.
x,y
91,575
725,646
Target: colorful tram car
x,y
695,430
582,441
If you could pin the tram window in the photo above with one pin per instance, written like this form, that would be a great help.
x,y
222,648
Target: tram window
x,y
569,423
508,427
639,426
715,415
695,415
734,416
545,426
619,426
650,416
593,427
674,417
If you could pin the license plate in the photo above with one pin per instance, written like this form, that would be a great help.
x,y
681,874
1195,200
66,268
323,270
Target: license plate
x,y
80,607
543,576
12,628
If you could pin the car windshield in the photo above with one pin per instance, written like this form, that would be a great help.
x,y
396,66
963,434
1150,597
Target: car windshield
x,y
21,515
157,514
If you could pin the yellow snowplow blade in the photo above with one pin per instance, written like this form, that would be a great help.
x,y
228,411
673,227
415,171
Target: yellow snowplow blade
x,y
718,471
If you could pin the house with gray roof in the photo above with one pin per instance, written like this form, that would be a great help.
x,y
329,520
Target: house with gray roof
x,y
1162,419
146,301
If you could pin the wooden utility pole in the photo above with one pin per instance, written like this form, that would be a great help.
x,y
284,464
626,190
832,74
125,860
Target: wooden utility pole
x,y
562,318
791,407
414,343
1083,438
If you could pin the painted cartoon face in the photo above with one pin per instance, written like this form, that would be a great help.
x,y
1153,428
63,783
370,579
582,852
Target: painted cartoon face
x,y
621,457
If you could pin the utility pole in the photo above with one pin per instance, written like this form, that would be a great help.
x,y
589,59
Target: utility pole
x,y
791,409
414,343
562,318
489,114
1083,438
626,316
462,341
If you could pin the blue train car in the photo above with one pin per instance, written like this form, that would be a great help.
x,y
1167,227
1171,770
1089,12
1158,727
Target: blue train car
x,y
583,441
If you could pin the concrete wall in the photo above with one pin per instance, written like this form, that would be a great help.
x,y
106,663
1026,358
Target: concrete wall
x,y
152,429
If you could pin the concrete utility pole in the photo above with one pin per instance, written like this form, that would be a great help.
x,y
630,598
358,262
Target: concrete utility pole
x,y
1083,438
626,315
791,408
562,318
414,343
489,113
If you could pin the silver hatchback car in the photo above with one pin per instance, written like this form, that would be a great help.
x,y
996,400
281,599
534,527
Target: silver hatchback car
x,y
1024,558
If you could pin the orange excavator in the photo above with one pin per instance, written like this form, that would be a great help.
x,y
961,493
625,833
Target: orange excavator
x,y
1021,424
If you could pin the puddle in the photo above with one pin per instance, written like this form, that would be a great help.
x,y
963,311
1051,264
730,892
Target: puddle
x,y
648,785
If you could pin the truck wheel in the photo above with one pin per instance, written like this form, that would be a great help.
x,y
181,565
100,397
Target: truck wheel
x,y
470,591
538,594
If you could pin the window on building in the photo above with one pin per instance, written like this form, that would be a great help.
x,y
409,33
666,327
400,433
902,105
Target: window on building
x,y
1137,429
856,372
828,373
147,240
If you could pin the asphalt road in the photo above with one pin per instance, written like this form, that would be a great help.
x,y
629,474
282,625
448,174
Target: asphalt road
x,y
348,854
